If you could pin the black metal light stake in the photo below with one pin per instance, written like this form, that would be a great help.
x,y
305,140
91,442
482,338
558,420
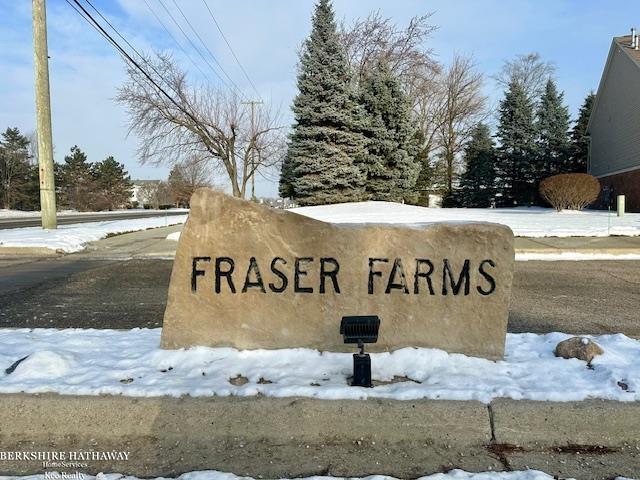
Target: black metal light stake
x,y
360,329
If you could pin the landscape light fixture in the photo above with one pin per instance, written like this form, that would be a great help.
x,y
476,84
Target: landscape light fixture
x,y
360,329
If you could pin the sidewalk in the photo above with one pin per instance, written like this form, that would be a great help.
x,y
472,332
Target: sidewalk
x,y
612,245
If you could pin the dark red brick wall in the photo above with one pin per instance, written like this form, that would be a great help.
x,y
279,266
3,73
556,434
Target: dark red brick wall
x,y
627,184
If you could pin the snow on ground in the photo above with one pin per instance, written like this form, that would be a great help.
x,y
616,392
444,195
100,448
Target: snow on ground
x,y
525,222
72,238
174,236
4,213
130,362
215,475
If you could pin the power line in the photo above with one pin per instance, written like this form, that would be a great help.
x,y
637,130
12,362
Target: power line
x,y
231,49
130,45
93,22
207,49
195,47
174,39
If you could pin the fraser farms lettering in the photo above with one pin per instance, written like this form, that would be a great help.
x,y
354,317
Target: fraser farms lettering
x,y
311,275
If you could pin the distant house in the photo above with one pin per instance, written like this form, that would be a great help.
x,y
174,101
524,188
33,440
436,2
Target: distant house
x,y
614,125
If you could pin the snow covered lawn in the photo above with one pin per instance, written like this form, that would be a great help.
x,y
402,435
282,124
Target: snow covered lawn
x,y
130,362
215,475
72,238
525,222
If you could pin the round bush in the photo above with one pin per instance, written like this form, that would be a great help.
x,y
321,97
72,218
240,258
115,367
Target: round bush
x,y
572,191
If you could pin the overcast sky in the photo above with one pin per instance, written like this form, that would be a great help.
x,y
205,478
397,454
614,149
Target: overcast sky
x,y
265,34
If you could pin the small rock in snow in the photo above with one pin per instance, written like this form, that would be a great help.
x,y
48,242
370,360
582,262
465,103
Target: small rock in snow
x,y
238,381
578,347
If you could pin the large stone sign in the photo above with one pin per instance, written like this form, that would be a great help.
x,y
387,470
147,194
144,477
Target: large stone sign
x,y
248,276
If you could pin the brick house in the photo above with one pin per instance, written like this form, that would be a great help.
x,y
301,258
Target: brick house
x,y
614,125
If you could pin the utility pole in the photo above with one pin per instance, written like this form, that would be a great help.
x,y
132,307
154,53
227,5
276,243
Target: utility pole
x,y
43,116
253,104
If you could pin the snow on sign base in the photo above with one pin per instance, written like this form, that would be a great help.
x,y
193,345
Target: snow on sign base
x,y
130,363
248,276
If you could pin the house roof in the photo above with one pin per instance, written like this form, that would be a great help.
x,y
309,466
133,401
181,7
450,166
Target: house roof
x,y
624,43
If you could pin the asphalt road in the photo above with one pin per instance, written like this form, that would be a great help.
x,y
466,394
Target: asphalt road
x,y
76,291
6,223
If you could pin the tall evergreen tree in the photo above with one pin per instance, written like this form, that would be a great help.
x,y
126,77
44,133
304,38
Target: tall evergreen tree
x,y
516,134
552,122
14,168
579,137
76,182
478,180
113,184
327,143
390,163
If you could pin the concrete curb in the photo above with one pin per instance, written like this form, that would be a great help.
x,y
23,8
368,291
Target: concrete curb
x,y
288,437
530,424
257,436
30,251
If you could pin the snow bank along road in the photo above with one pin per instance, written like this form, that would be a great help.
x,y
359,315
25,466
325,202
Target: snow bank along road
x,y
8,221
72,238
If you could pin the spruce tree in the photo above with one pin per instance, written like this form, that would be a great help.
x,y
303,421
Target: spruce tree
x,y
552,122
113,184
14,168
477,182
327,142
390,163
579,138
516,134
75,181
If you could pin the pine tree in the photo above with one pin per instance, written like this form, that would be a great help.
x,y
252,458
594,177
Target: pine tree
x,y
327,143
552,123
477,182
75,181
516,134
113,184
15,175
579,138
390,163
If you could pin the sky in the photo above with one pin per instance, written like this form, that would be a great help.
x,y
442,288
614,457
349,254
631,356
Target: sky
x,y
85,71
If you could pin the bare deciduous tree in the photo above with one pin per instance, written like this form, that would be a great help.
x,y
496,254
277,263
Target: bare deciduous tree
x,y
529,70
376,39
213,125
463,106
187,176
